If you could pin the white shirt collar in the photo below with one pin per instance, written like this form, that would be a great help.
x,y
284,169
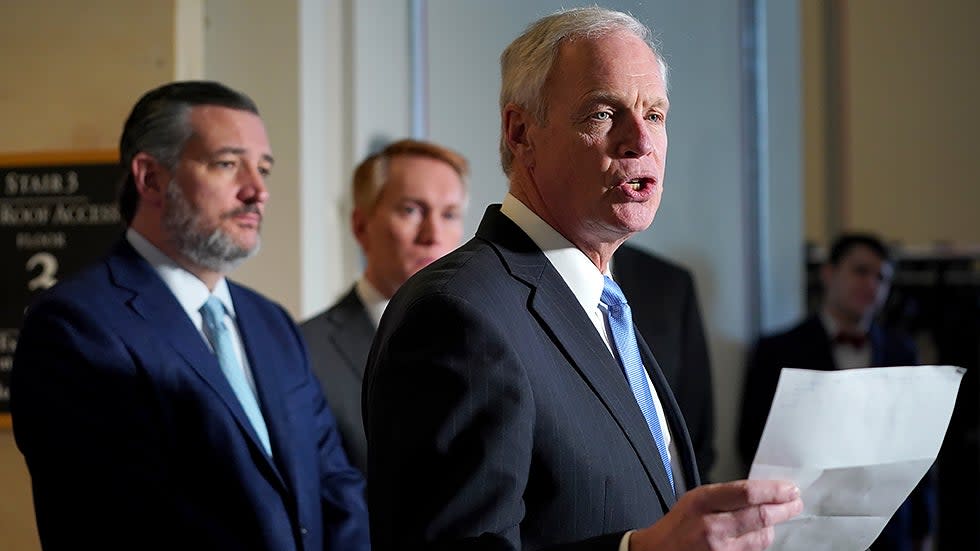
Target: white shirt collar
x,y
579,273
832,327
372,299
190,291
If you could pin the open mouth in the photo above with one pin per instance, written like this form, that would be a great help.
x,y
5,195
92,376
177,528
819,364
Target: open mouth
x,y
638,184
637,189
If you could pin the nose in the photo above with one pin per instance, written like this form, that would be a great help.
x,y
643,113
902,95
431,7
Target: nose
x,y
428,230
253,188
636,138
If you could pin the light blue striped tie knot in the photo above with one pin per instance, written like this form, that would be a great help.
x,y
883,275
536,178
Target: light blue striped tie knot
x,y
624,340
218,334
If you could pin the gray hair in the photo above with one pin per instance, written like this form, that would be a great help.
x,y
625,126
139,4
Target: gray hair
x,y
527,61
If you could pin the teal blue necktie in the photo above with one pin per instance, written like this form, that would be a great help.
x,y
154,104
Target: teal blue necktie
x,y
624,339
213,313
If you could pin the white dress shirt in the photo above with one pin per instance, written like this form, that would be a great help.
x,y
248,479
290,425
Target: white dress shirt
x,y
372,299
586,283
192,293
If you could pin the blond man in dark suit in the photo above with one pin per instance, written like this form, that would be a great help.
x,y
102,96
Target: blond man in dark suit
x,y
409,200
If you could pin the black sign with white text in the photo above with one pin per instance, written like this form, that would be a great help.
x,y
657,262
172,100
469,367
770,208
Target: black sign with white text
x,y
56,216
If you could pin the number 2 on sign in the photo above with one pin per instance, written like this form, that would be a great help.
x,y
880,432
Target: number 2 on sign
x,y
49,266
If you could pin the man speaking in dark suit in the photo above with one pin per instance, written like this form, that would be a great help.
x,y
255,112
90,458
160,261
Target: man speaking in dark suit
x,y
856,280
409,200
508,401
159,405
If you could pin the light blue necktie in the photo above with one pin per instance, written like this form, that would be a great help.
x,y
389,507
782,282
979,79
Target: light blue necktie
x,y
621,324
213,313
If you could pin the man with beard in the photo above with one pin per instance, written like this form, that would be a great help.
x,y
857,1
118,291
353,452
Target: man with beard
x,y
159,405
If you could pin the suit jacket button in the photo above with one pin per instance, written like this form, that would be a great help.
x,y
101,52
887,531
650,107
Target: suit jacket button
x,y
302,530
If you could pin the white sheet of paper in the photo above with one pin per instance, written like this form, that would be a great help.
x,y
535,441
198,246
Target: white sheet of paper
x,y
856,442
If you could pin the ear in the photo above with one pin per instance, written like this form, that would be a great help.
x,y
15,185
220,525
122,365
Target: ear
x,y
151,179
358,225
517,122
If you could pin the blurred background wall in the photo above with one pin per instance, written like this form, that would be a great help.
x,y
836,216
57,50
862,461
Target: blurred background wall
x,y
790,120
890,119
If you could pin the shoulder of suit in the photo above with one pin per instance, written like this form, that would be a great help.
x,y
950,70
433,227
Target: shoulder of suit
x,y
345,306
241,292
85,287
800,330
454,274
897,337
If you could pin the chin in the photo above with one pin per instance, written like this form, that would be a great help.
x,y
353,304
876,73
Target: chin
x,y
412,270
634,224
636,215
248,240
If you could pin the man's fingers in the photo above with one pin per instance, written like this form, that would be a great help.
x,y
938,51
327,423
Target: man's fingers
x,y
757,517
717,516
760,539
751,527
733,496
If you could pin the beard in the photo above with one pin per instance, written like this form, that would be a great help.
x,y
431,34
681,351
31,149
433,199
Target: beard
x,y
210,248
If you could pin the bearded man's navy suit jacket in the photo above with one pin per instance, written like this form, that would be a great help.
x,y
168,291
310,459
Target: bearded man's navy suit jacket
x,y
135,440
496,416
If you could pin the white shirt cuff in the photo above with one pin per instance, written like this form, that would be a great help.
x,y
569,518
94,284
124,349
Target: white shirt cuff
x,y
624,544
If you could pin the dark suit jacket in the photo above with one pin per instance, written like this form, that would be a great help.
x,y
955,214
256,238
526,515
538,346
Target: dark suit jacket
x,y
665,310
807,346
135,440
497,418
339,340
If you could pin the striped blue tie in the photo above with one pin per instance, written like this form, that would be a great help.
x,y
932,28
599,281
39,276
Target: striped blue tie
x,y
621,324
213,313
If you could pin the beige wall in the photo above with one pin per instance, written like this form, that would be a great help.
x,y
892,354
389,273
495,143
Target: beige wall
x,y
17,529
910,82
914,116
72,69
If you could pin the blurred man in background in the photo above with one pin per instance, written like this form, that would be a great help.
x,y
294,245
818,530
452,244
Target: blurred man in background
x,y
409,201
856,280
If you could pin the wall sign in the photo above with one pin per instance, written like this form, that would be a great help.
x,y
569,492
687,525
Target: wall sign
x,y
57,214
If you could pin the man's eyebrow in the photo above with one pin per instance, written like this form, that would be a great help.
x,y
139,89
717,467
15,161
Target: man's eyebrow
x,y
602,96
241,151
231,150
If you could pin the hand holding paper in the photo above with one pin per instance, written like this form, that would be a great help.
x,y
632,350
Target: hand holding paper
x,y
856,442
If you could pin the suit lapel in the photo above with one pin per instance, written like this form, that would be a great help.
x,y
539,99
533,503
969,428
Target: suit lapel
x,y
155,303
263,359
818,341
675,419
353,332
559,312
